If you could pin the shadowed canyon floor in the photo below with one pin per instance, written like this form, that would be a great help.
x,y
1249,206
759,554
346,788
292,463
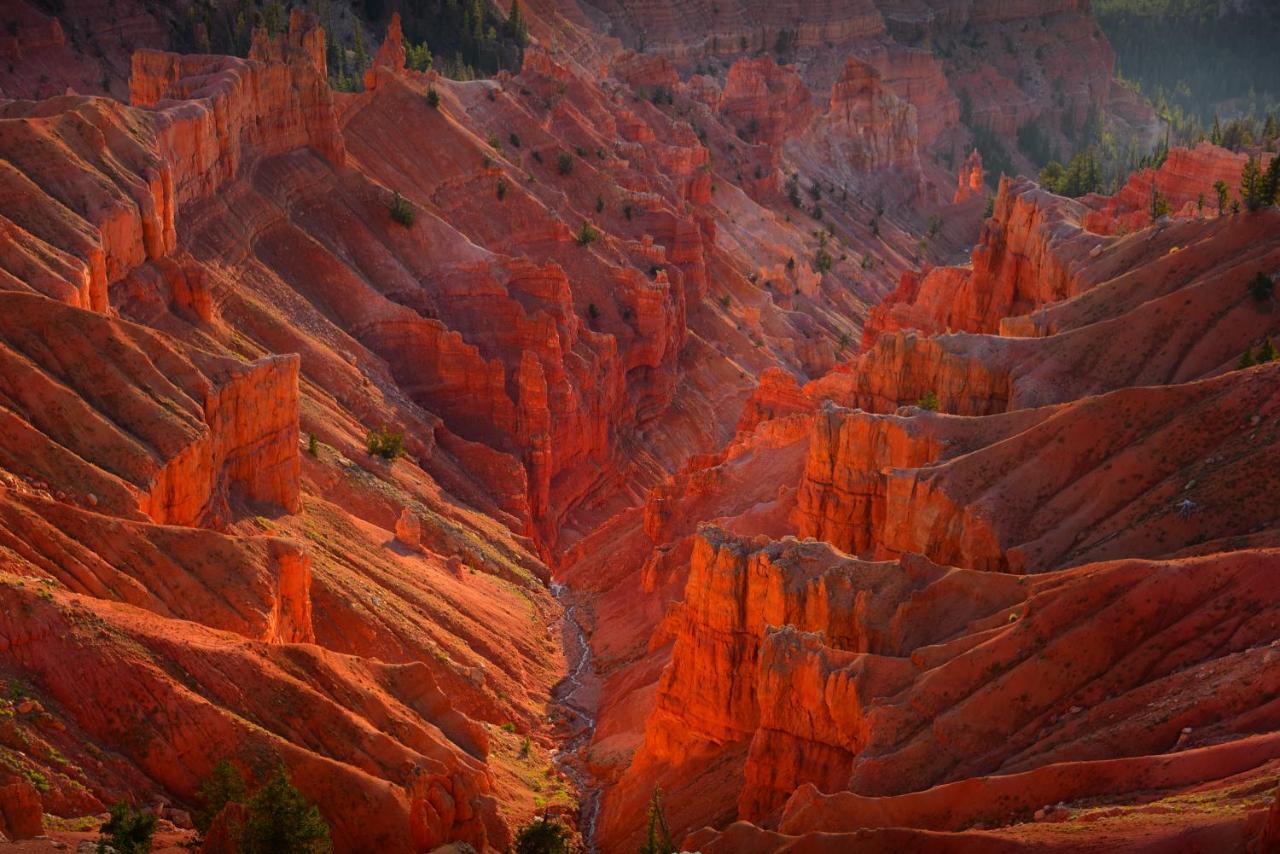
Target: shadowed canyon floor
x,y
742,457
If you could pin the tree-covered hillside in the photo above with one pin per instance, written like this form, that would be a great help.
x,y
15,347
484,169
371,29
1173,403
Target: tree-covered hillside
x,y
1198,58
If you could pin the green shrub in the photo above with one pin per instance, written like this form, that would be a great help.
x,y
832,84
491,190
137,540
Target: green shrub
x,y
401,211
313,445
126,831
383,443
543,836
1261,287
586,235
433,98
1267,352
822,261
929,401
502,189
564,163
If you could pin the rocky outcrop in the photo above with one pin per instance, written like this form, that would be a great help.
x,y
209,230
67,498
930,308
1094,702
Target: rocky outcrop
x,y
21,815
970,181
869,127
215,115
765,102
184,440
816,702
1185,181
212,117
1029,255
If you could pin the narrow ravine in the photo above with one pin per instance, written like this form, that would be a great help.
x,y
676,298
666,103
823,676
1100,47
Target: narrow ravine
x,y
577,702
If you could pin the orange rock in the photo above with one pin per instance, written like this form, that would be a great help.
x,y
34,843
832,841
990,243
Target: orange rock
x,y
1029,255
409,529
1185,181
970,181
765,102
21,815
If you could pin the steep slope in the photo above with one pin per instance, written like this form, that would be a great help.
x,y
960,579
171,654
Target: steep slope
x,y
602,302
1108,480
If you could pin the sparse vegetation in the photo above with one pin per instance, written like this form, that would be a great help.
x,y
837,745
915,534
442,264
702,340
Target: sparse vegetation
x,y
401,211
543,836
586,234
126,831
433,98
501,190
224,786
313,445
564,163
384,443
929,402
1261,287
657,834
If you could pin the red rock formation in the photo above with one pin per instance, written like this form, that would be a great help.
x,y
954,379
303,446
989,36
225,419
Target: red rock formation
x,y
1029,255
867,125
21,816
970,182
765,102
199,286
1185,181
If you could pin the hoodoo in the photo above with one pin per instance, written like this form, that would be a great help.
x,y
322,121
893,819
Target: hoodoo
x,y
639,426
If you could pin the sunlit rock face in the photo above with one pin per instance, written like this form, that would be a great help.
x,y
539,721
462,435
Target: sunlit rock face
x,y
307,395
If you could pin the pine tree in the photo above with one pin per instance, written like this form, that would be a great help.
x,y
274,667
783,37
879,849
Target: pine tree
x,y
362,57
224,786
281,820
1253,188
516,27
657,835
1220,187
1215,135
1271,182
1267,352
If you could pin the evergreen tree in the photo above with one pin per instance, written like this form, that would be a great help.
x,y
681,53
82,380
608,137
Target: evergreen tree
x,y
1253,187
1215,135
224,786
282,821
1267,352
1159,204
516,26
657,834
1220,187
1271,182
362,57
1261,287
